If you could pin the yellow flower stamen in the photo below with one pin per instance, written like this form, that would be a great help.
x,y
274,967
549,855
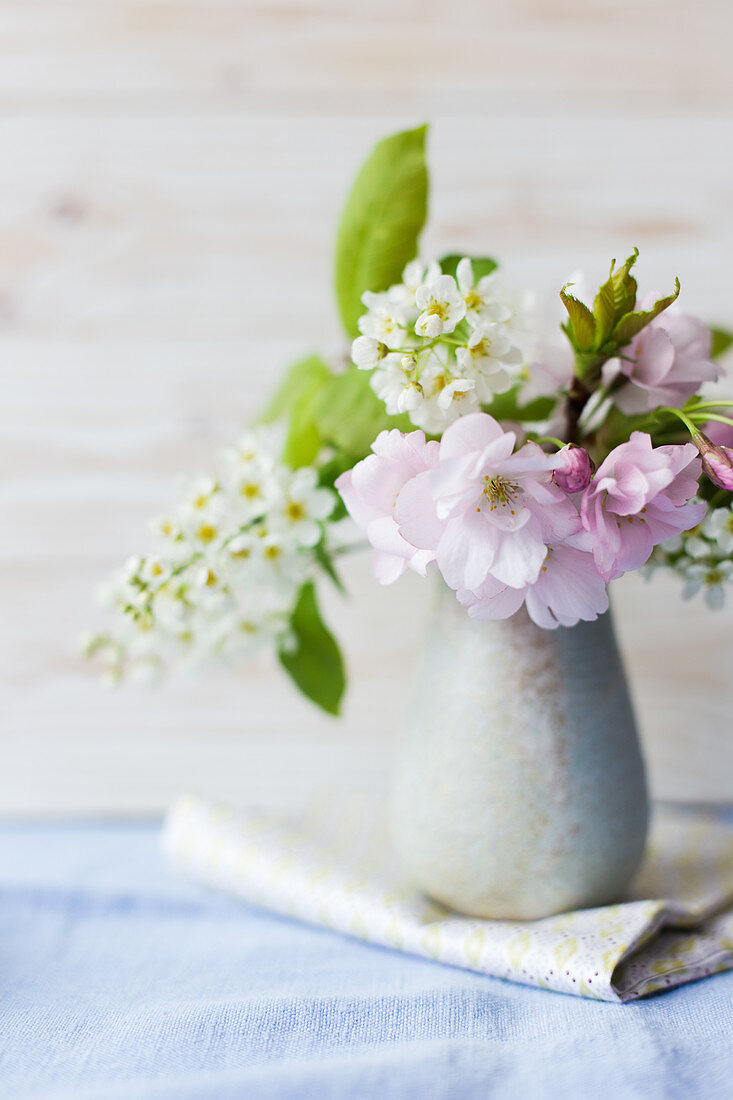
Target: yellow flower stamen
x,y
295,511
207,532
499,491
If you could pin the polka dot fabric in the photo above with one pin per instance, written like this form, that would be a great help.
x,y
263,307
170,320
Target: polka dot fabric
x,y
333,868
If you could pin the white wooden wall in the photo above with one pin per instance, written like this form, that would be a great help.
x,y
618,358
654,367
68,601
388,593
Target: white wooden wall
x,y
170,175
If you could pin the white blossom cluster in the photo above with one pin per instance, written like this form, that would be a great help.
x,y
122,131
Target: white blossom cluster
x,y
440,346
702,557
225,568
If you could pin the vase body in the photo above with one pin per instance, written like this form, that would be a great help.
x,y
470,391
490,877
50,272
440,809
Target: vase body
x,y
519,788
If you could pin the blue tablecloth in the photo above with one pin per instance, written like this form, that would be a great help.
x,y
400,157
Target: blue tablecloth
x,y
119,981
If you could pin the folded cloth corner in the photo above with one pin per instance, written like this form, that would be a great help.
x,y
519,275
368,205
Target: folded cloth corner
x,y
334,867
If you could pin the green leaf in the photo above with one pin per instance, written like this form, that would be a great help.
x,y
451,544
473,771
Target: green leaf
x,y
604,312
299,381
624,285
615,298
582,322
721,341
632,324
381,223
302,443
507,406
350,416
325,560
315,666
481,265
295,400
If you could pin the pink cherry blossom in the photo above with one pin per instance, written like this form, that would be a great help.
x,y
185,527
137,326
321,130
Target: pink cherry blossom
x,y
638,498
569,588
666,363
485,511
371,490
492,600
573,469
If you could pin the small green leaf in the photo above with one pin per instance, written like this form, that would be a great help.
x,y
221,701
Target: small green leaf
x,y
350,416
604,312
721,341
481,265
624,285
381,222
315,666
632,324
294,400
582,323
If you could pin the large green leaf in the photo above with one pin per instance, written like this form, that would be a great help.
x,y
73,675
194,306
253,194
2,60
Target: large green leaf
x,y
294,401
298,383
325,559
350,416
381,222
303,442
315,666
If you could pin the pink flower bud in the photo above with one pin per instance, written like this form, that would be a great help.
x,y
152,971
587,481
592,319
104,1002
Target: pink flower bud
x,y
717,460
574,469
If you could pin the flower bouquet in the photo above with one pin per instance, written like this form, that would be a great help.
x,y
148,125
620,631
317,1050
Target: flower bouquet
x,y
524,464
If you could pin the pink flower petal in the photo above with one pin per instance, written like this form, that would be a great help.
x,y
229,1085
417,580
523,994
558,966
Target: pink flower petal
x,y
466,550
469,433
416,515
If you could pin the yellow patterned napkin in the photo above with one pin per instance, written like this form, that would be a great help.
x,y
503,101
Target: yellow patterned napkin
x,y
333,867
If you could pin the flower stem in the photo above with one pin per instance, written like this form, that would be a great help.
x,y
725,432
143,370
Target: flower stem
x,y
709,405
719,419
574,404
681,416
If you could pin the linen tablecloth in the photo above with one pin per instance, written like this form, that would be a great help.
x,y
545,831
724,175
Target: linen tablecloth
x,y
118,980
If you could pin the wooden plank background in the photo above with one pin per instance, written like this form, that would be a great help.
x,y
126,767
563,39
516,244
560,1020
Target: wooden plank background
x,y
170,178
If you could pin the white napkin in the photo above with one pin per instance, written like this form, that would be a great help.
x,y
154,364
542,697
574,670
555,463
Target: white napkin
x,y
333,867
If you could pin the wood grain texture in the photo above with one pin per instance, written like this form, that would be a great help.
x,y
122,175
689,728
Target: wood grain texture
x,y
314,53
171,176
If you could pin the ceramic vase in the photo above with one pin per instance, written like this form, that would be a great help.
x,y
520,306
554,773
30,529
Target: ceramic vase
x,y
519,788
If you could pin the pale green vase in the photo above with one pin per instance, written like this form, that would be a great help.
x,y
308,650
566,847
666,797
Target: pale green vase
x,y
519,788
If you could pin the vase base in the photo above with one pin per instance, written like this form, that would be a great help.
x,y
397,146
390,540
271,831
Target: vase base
x,y
532,910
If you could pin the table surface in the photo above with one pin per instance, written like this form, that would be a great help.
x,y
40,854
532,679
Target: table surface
x,y
119,980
